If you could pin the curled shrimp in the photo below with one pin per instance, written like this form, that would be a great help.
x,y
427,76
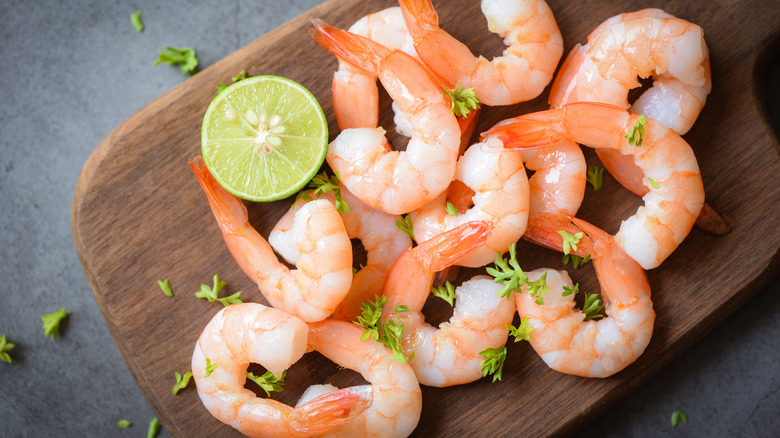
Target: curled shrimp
x,y
499,188
383,241
396,400
391,181
243,333
593,348
447,355
670,170
324,273
534,47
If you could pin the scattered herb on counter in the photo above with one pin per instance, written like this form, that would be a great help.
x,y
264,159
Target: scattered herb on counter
x,y
135,19
576,261
494,362
239,77
212,293
51,322
154,428
124,424
677,416
165,285
268,381
595,176
183,56
5,347
181,381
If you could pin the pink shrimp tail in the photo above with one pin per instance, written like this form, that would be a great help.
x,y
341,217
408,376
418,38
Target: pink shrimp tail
x,y
354,49
543,230
228,210
420,17
331,410
529,131
449,247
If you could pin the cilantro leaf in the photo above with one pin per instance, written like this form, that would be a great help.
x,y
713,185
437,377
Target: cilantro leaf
x,y
637,133
212,293
322,183
521,332
463,101
135,19
570,241
592,307
181,381
508,273
595,176
5,347
124,424
494,361
405,224
51,322
538,287
165,285
389,333
268,381
446,292
568,291
154,428
183,56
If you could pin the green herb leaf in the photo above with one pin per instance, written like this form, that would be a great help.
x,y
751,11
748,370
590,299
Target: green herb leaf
x,y
570,241
653,183
183,56
51,322
508,273
135,19
568,291
322,183
522,332
239,77
538,287
405,225
212,293
637,133
154,428
451,210
577,261
446,292
124,424
210,367
181,381
463,101
592,307
268,381
5,347
595,176
165,285
676,416
494,362
389,333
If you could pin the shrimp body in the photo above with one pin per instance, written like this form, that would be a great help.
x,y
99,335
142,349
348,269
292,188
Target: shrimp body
x,y
391,181
500,195
447,355
250,332
528,28
324,273
396,400
671,174
594,348
383,241
558,183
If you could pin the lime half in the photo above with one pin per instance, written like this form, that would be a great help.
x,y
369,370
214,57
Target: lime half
x,y
264,138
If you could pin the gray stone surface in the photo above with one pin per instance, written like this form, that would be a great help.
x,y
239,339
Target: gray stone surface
x,y
70,73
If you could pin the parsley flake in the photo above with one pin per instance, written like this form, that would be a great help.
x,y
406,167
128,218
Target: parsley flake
x,y
494,362
446,292
463,101
653,183
212,293
595,176
210,367
124,424
576,261
322,183
570,241
405,224
451,210
51,322
268,381
154,428
538,287
508,273
677,416
389,333
184,56
239,77
181,381
592,307
568,291
521,332
637,133
135,19
165,285
5,347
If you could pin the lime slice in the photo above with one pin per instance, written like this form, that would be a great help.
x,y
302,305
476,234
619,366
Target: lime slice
x,y
264,138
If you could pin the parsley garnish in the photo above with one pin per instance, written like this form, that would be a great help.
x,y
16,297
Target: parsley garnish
x,y
124,424
154,428
51,322
181,381
463,101
446,292
210,367
135,19
592,307
184,56
595,176
388,333
494,361
538,288
676,416
405,224
165,285
320,184
576,261
522,332
268,381
5,347
239,77
570,241
568,291
637,133
451,210
653,183
510,274
212,293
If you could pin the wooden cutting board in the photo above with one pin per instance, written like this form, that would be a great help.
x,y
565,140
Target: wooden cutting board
x,y
139,216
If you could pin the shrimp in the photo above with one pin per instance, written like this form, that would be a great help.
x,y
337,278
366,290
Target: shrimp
x,y
391,181
676,192
594,348
383,241
447,355
324,273
251,332
500,195
396,400
534,47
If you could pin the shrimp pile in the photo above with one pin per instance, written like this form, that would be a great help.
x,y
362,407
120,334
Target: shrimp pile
x,y
444,202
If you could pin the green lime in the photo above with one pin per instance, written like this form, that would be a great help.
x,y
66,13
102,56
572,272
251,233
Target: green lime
x,y
264,138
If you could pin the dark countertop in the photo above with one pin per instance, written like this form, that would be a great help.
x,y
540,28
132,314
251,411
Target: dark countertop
x,y
73,71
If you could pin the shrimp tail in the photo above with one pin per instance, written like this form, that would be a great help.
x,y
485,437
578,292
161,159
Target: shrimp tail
x,y
530,130
348,47
447,248
229,211
543,230
331,410
420,17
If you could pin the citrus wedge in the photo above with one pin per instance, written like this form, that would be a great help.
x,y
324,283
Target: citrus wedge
x,y
263,138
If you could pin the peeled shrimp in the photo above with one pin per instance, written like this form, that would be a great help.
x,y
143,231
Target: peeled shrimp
x,y
391,181
447,355
324,273
666,160
534,47
500,195
383,241
594,348
250,332
396,400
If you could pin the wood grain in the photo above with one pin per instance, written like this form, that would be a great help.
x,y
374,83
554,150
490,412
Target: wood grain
x,y
139,216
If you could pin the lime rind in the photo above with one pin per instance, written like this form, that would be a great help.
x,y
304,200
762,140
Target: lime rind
x,y
228,142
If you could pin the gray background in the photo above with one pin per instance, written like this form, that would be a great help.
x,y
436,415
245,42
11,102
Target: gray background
x,y
70,73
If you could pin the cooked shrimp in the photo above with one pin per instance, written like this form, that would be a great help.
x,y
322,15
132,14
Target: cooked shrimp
x,y
640,44
251,332
391,181
534,47
500,195
594,348
395,393
669,166
324,273
383,241
447,355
